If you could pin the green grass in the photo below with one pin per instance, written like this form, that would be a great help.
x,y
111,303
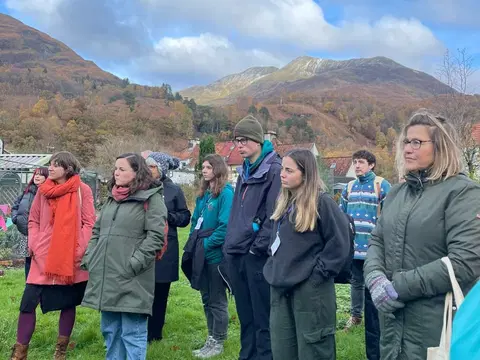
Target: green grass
x,y
185,327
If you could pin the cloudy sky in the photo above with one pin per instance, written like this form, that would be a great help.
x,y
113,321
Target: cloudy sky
x,y
192,42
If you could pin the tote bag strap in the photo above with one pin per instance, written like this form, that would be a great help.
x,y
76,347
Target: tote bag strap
x,y
446,337
457,291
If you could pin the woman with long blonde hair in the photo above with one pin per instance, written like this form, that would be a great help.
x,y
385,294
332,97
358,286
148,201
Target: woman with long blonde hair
x,y
308,249
433,214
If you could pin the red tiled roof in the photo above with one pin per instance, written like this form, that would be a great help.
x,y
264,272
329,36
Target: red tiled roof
x,y
191,153
229,152
342,164
282,149
188,153
476,133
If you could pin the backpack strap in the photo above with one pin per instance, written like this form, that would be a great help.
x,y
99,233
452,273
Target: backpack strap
x,y
349,187
377,183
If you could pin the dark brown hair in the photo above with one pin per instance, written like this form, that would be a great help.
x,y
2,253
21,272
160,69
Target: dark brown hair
x,y
67,161
366,155
220,170
42,171
143,177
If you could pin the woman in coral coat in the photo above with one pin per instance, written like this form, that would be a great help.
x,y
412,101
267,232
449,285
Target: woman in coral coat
x,y
60,225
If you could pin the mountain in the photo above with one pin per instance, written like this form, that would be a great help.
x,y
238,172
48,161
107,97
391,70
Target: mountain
x,y
228,85
30,58
378,77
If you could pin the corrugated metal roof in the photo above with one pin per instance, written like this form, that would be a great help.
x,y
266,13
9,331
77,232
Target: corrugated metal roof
x,y
23,161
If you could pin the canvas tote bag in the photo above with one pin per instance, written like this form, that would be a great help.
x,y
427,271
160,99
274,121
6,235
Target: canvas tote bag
x,y
442,352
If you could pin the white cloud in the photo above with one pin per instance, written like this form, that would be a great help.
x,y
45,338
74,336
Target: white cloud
x,y
447,12
206,54
126,37
44,7
302,23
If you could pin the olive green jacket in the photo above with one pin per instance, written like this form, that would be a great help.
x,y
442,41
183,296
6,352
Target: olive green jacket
x,y
422,222
120,257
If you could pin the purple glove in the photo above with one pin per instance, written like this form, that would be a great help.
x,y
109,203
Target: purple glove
x,y
383,293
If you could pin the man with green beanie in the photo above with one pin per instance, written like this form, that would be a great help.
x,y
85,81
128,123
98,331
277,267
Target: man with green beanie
x,y
248,236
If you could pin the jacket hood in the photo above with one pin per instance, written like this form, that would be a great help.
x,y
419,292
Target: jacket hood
x,y
264,166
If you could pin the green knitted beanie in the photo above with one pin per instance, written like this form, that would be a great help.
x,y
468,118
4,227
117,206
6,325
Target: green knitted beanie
x,y
250,128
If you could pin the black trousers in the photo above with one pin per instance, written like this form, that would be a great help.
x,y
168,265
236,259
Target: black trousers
x,y
28,263
372,328
252,299
372,325
157,320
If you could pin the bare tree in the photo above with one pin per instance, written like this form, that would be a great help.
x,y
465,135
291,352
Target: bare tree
x,y
113,146
456,71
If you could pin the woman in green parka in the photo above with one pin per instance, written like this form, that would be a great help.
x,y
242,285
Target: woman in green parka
x,y
433,214
120,257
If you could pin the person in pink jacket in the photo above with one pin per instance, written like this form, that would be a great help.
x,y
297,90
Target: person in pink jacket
x,y
59,227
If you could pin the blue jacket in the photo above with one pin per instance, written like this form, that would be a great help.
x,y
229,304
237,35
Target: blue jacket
x,y
255,196
362,204
215,213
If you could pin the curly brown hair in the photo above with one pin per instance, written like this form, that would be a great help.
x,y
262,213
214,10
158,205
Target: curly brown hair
x,y
143,177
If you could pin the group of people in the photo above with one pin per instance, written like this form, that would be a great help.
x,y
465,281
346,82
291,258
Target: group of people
x,y
276,240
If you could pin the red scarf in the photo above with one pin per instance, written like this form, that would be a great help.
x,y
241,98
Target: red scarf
x,y
120,193
64,202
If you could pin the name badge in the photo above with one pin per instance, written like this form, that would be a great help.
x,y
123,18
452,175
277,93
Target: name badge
x,y
275,245
199,223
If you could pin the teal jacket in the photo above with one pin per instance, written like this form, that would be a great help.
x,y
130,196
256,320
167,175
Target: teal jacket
x,y
215,213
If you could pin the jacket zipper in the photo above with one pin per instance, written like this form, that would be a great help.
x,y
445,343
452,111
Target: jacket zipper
x,y
417,199
105,257
243,195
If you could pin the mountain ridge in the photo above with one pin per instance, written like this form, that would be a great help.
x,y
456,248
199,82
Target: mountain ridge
x,y
52,65
314,76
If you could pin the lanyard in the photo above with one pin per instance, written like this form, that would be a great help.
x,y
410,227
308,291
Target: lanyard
x,y
290,209
206,204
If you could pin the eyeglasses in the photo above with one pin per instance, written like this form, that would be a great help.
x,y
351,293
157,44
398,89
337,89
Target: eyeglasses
x,y
415,143
242,141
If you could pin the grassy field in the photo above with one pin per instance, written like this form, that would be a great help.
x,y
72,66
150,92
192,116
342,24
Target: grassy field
x,y
185,327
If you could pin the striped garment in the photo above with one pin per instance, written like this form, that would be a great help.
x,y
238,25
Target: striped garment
x,y
362,204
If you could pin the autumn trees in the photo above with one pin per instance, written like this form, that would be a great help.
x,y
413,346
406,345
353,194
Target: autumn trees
x,y
458,105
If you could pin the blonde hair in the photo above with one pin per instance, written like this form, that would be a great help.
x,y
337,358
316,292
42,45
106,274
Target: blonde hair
x,y
306,196
447,160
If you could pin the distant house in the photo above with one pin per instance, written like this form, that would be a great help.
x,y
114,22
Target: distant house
x,y
189,156
343,169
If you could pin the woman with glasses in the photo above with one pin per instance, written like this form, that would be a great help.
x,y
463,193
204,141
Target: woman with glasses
x,y
433,214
